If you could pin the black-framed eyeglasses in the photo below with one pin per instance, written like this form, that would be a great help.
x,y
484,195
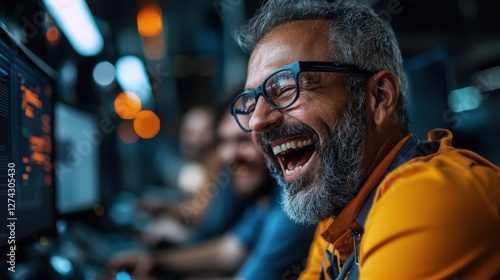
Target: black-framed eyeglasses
x,y
282,88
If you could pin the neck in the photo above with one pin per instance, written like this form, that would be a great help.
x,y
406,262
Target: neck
x,y
379,145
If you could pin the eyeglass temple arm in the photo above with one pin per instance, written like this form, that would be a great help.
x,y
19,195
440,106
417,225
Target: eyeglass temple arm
x,y
335,67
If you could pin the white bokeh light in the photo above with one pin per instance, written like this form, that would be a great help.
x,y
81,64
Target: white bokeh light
x,y
104,73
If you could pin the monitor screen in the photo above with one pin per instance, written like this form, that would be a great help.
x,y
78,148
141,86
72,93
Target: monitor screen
x,y
430,78
76,166
26,148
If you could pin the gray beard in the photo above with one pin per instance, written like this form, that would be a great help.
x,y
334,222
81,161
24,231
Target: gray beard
x,y
323,193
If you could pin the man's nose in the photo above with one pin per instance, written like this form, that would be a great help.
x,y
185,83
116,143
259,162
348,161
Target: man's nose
x,y
264,117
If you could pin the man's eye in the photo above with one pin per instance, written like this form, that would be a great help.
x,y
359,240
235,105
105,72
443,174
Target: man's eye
x,y
250,108
286,91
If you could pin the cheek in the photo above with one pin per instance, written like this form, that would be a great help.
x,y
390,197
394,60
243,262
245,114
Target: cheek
x,y
327,111
326,104
319,120
224,152
252,155
320,111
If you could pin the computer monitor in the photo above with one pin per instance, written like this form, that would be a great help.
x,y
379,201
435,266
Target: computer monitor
x,y
26,147
430,78
77,160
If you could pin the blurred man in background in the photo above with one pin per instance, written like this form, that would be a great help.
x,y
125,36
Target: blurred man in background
x,y
263,244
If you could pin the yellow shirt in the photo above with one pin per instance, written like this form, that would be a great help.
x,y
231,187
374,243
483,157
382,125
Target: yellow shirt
x,y
434,217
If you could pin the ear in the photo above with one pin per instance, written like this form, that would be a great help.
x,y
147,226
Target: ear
x,y
383,94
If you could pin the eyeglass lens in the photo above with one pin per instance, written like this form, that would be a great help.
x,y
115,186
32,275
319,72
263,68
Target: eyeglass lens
x,y
279,89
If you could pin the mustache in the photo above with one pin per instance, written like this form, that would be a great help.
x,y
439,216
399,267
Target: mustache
x,y
234,166
283,130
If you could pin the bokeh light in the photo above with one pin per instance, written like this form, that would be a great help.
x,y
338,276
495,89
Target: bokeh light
x,y
53,35
104,73
132,76
43,240
147,124
149,21
127,105
76,21
99,209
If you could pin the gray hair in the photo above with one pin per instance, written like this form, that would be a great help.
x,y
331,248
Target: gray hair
x,y
367,41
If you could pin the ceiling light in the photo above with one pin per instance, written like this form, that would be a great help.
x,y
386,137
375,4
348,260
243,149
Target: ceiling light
x,y
78,25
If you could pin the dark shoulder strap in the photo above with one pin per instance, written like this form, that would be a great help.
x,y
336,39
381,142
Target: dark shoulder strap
x,y
407,152
413,148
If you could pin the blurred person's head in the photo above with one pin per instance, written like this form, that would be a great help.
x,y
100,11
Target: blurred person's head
x,y
242,158
197,137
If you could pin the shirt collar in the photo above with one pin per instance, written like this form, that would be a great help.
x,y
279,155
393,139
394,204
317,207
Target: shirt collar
x,y
346,219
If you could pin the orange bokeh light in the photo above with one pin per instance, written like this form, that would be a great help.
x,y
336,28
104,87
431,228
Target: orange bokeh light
x,y
127,105
147,124
53,35
149,21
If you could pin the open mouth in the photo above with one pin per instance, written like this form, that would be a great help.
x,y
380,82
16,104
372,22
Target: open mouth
x,y
293,155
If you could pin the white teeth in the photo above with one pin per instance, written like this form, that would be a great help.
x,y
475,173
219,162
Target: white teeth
x,y
277,150
291,145
290,172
